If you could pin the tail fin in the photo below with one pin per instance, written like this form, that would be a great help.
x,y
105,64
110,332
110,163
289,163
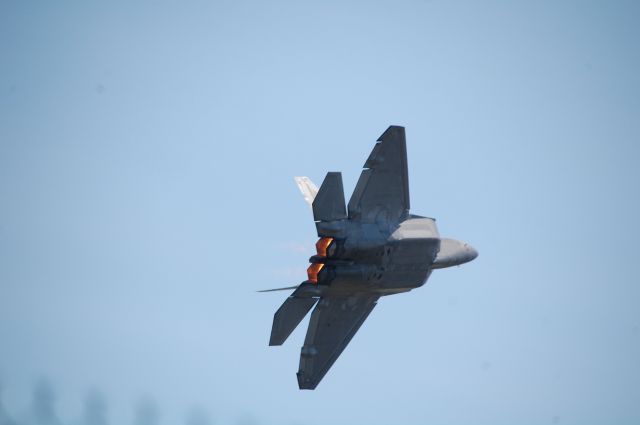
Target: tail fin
x,y
308,189
329,203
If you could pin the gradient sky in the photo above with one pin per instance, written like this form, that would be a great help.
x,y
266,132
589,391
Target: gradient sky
x,y
147,151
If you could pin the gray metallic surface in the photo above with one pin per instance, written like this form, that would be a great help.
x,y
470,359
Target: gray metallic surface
x,y
288,316
333,323
453,253
382,192
377,249
329,202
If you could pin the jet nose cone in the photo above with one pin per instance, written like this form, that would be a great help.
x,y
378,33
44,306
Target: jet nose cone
x,y
471,252
453,253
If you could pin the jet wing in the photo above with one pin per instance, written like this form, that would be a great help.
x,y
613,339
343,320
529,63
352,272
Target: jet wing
x,y
333,323
382,192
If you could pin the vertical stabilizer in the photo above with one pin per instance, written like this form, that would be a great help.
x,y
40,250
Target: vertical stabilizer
x,y
329,203
308,189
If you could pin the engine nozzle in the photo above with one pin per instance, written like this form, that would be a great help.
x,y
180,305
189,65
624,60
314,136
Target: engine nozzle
x,y
312,272
326,247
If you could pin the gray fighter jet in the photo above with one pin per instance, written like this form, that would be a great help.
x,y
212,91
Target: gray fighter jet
x,y
367,249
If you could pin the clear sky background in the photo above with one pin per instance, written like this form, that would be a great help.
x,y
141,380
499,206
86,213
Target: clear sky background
x,y
147,155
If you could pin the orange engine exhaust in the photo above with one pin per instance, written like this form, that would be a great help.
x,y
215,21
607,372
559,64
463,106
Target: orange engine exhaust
x,y
312,272
322,245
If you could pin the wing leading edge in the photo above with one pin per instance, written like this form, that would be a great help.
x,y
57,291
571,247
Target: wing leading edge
x,y
334,321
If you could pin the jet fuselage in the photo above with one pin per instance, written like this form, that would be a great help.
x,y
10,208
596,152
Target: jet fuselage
x,y
383,258
367,249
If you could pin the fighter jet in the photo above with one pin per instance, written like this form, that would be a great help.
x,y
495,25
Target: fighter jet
x,y
369,248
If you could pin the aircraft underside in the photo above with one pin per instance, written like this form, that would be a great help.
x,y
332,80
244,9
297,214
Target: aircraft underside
x,y
370,248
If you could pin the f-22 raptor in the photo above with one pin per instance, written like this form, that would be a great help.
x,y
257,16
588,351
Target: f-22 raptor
x,y
367,249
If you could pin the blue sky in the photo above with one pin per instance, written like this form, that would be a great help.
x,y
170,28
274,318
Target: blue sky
x,y
147,151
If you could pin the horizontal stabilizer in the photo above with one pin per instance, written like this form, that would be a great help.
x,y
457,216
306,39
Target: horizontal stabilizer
x,y
329,203
288,317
